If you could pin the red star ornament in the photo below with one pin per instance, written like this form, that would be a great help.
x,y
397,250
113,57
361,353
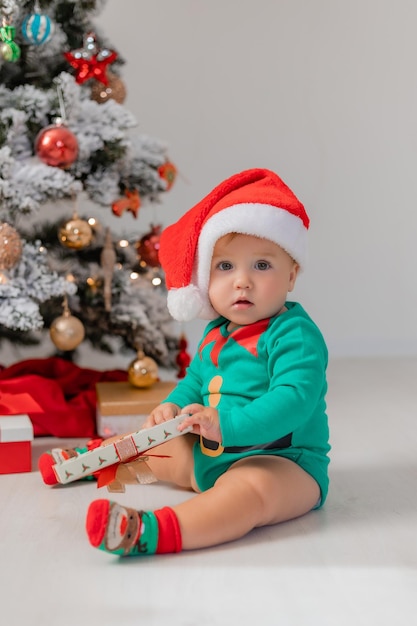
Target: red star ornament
x,y
95,67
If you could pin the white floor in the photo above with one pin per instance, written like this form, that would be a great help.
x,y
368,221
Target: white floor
x,y
352,563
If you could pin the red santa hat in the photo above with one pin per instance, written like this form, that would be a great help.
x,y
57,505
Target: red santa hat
x,y
254,202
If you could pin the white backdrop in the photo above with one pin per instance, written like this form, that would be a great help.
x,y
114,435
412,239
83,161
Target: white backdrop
x,y
323,92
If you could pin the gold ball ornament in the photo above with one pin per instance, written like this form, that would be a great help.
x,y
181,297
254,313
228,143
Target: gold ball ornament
x,y
66,331
10,246
143,371
75,234
114,90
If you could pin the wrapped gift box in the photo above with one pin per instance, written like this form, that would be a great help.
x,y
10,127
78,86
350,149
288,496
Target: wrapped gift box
x,y
122,408
16,436
125,449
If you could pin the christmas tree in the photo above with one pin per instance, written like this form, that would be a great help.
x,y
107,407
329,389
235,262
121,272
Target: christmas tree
x,y
66,137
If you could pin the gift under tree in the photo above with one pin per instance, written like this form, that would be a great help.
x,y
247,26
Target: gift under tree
x,y
66,137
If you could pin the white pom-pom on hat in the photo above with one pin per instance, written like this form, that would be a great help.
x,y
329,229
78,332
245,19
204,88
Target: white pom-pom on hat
x,y
185,303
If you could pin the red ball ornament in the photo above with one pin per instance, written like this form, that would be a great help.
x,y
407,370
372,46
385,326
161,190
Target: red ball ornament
x,y
56,145
148,247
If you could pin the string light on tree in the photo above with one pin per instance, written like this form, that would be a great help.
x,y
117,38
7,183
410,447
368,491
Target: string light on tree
x,y
123,243
94,283
156,279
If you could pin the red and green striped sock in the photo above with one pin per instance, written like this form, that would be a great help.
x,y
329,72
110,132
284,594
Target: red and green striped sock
x,y
126,532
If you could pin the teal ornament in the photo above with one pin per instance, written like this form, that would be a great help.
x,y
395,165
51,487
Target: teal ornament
x,y
37,28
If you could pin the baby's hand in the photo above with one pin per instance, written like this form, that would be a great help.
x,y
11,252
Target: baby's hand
x,y
162,413
204,420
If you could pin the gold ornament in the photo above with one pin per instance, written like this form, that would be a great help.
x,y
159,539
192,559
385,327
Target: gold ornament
x,y
10,246
143,371
114,90
66,331
76,233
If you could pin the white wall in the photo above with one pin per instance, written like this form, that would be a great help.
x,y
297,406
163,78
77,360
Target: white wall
x,y
323,92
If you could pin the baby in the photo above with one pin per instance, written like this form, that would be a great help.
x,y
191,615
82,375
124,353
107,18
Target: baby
x,y
255,391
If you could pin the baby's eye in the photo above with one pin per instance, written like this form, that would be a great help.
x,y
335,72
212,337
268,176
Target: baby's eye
x,y
262,265
224,265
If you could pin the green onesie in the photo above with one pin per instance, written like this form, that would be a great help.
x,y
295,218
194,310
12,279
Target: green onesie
x,y
268,382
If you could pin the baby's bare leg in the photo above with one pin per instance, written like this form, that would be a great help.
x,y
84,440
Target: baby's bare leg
x,y
175,463
257,491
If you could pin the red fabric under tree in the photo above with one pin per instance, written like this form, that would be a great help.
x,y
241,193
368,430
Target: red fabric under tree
x,y
59,397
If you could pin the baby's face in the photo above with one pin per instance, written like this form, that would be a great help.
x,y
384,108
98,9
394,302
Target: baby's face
x,y
250,278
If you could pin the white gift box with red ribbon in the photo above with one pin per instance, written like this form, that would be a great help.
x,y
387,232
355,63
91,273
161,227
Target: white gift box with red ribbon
x,y
123,450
